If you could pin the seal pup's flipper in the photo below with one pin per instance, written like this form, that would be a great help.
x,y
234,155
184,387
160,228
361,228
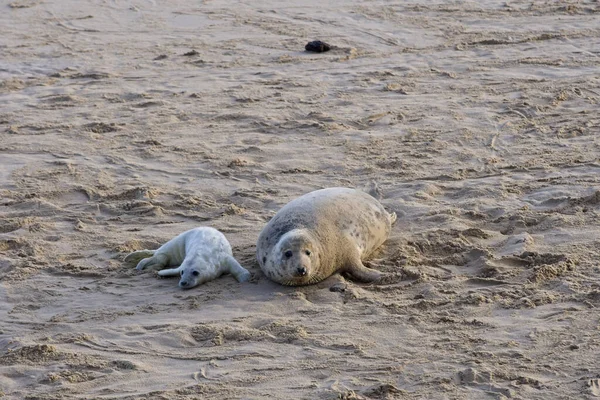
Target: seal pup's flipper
x,y
234,268
157,261
361,273
170,272
137,256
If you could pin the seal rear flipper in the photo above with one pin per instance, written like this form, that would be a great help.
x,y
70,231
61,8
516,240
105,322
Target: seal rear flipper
x,y
137,256
361,273
234,268
393,218
157,261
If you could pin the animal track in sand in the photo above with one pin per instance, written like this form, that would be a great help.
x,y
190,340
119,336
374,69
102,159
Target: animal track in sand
x,y
80,270
275,331
39,353
12,224
55,102
20,247
101,127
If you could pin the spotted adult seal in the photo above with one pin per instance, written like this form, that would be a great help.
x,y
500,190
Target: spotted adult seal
x,y
200,255
321,233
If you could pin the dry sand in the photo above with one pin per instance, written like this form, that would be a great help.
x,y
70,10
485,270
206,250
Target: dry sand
x,y
476,122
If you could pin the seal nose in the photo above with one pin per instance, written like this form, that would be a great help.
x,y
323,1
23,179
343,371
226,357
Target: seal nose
x,y
301,271
183,284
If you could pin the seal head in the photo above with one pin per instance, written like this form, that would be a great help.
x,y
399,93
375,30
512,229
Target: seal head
x,y
294,260
296,255
190,277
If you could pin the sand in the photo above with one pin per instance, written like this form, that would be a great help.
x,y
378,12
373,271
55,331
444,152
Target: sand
x,y
124,123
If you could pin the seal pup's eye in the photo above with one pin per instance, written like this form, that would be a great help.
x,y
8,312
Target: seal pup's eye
x,y
308,253
288,254
195,273
181,273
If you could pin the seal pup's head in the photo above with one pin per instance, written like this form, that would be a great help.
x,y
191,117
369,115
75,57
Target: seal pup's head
x,y
191,276
295,259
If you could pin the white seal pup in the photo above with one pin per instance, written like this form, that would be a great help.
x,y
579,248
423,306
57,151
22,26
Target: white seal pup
x,y
321,233
200,255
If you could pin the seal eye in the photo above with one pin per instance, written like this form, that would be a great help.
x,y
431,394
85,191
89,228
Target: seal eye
x,y
288,254
308,253
181,273
195,273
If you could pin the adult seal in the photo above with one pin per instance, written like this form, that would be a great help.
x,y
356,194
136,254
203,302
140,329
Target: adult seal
x,y
199,255
321,233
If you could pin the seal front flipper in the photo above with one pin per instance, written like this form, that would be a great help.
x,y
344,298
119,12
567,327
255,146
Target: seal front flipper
x,y
170,272
234,268
361,273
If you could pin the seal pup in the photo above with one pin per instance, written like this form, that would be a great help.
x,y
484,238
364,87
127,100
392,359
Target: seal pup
x,y
321,233
200,255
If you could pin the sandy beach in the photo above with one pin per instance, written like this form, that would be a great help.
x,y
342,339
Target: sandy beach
x,y
125,123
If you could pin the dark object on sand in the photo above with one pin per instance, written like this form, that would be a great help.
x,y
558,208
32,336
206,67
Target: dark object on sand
x,y
191,53
339,287
317,46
